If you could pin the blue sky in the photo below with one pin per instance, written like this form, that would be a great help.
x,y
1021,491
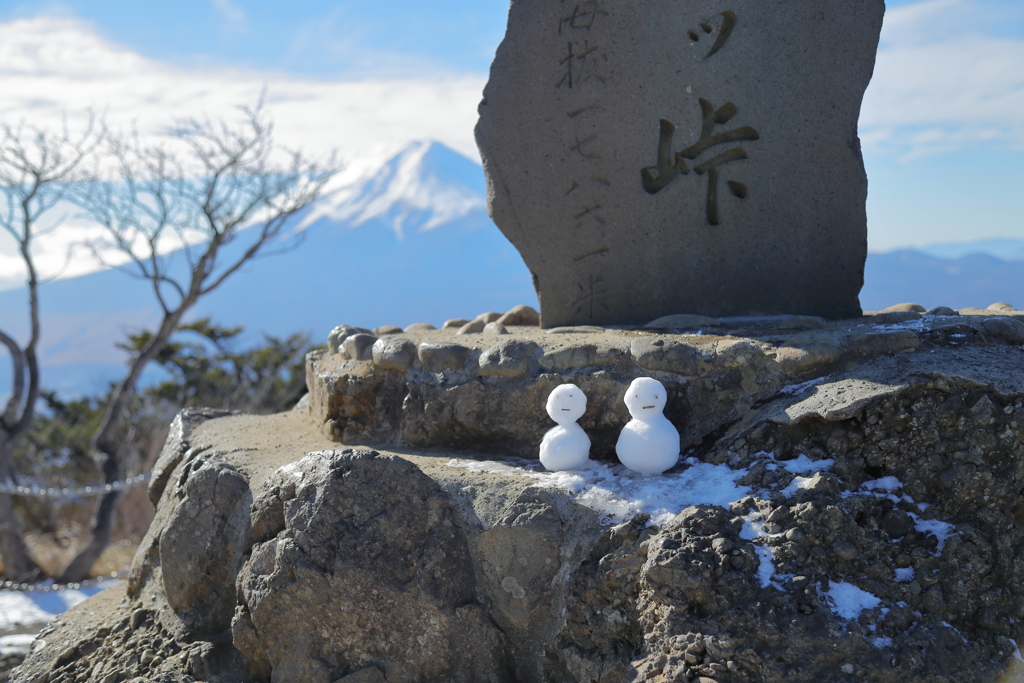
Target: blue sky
x,y
942,124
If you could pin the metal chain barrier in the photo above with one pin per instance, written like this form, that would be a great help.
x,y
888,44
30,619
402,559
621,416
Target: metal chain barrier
x,y
57,587
66,492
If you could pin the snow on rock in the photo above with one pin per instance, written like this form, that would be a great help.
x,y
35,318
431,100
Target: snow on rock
x,y
753,528
904,574
618,493
847,601
886,487
801,464
888,484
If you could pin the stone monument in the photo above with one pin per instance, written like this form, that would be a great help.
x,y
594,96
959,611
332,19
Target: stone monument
x,y
652,157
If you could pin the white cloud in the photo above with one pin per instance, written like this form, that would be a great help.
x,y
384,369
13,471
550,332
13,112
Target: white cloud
x,y
52,67
49,66
943,81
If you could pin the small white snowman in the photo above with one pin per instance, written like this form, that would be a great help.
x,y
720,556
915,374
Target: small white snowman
x,y
567,446
649,443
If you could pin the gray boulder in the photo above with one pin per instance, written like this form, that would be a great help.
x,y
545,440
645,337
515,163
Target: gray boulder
x,y
365,552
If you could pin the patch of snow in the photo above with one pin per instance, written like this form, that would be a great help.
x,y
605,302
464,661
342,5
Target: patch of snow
x,y
802,387
753,523
15,644
24,608
753,528
797,484
884,484
942,530
904,574
881,642
883,488
803,465
766,565
618,493
847,601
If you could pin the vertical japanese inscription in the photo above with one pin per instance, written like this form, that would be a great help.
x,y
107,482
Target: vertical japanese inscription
x,y
671,164
583,72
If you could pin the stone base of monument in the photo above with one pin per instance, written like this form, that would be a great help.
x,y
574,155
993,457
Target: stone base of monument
x,y
848,508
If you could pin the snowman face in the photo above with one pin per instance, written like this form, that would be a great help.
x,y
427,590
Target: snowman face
x,y
645,398
566,404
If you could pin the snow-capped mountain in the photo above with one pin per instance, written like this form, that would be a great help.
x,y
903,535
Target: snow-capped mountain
x,y
407,241
425,186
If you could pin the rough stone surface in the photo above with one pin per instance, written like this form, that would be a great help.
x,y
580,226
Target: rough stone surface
x,y
897,477
366,554
394,353
177,445
202,545
441,356
495,328
472,327
511,358
520,315
358,346
587,355
488,317
466,391
681,321
766,218
340,333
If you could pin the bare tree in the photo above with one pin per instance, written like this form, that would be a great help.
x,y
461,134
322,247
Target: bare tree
x,y
187,214
37,170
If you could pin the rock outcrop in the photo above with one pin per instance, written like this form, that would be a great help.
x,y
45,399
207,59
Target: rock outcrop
x,y
865,523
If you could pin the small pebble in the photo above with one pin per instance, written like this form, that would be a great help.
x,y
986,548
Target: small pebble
x,y
138,616
844,550
495,328
473,327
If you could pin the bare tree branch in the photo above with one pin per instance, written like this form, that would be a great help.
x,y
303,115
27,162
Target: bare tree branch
x,y
37,171
225,186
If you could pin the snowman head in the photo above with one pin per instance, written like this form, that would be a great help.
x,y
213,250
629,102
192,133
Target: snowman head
x,y
645,398
566,404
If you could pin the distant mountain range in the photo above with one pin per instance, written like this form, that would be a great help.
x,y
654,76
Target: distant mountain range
x,y
408,242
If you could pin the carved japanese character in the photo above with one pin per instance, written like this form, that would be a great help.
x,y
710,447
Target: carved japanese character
x,y
581,64
590,293
583,15
586,213
724,28
596,252
669,165
587,147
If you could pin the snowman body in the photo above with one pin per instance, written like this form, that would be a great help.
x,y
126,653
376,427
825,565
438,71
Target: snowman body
x,y
649,443
567,446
